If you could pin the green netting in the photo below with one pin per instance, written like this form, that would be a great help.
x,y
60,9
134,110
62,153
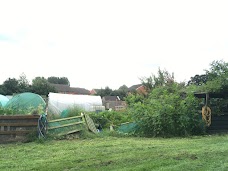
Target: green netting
x,y
26,102
3,100
128,127
64,113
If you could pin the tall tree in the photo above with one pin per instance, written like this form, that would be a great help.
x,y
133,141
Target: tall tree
x,y
163,78
58,80
217,69
2,90
23,84
198,80
41,86
11,86
104,92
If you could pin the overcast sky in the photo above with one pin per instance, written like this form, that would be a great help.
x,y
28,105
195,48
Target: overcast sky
x,y
110,43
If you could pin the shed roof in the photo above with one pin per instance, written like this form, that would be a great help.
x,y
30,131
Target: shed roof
x,y
111,98
211,95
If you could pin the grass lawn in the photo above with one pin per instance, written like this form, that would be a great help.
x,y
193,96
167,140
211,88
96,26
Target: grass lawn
x,y
112,153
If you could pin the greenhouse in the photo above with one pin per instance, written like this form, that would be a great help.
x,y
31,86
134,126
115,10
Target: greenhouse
x,y
57,102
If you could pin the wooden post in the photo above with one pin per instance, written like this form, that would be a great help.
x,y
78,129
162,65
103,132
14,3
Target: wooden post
x,y
207,99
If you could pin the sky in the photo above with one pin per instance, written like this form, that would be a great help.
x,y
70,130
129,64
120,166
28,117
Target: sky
x,y
111,42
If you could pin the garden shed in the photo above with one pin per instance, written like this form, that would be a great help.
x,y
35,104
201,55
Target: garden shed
x,y
217,104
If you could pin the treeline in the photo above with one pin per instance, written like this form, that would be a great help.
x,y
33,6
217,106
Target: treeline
x,y
40,85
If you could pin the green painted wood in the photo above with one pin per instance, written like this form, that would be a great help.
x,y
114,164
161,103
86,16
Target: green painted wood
x,y
90,124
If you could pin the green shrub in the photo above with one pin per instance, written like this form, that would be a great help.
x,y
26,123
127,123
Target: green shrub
x,y
168,112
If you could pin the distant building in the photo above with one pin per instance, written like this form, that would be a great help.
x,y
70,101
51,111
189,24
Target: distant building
x,y
139,88
113,103
94,91
66,89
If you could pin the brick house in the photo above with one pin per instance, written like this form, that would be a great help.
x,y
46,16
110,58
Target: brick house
x,y
139,88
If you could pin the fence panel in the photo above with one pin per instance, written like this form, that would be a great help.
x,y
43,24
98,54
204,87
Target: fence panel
x,y
17,127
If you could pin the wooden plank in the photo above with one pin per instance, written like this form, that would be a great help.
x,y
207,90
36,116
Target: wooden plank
x,y
63,119
16,132
19,124
11,117
66,125
90,124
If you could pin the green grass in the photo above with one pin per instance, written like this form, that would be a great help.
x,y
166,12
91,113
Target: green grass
x,y
118,153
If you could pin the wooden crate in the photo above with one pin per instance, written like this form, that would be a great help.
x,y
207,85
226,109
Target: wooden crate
x,y
17,127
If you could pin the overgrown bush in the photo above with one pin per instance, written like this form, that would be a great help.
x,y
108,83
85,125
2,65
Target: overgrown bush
x,y
168,112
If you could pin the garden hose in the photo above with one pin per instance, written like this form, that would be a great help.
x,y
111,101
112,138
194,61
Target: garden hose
x,y
42,126
206,115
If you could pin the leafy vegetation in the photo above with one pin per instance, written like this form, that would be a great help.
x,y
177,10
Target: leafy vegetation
x,y
170,108
167,112
28,111
214,80
108,118
111,153
121,92
58,80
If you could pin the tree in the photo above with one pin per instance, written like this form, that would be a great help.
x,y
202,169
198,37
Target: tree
x,y
11,86
41,86
23,84
216,78
59,80
2,90
163,78
104,92
198,80
123,88
217,69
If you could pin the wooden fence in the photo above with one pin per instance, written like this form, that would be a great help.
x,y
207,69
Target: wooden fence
x,y
66,126
17,127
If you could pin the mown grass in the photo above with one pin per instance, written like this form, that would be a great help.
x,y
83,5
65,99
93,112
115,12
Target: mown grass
x,y
118,153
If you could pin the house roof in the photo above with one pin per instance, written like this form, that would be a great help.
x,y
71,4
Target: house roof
x,y
68,89
96,90
111,98
134,87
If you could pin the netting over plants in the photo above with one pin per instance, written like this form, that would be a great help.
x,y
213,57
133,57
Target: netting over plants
x,y
3,100
26,102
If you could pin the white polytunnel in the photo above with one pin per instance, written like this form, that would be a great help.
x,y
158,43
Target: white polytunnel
x,y
58,102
